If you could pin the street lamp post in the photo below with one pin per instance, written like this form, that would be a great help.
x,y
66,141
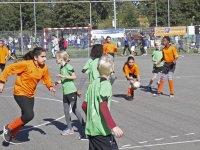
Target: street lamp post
x,y
35,21
115,22
168,15
90,14
22,49
156,13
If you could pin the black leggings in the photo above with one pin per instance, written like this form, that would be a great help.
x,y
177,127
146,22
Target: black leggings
x,y
2,67
71,99
26,104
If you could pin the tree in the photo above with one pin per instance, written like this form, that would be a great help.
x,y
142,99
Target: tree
x,y
71,14
181,12
128,15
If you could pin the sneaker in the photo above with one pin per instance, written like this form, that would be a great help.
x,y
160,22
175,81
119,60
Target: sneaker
x,y
129,98
6,133
15,141
122,54
157,94
171,95
83,137
67,132
149,88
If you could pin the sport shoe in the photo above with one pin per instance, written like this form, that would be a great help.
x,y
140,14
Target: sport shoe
x,y
157,94
171,95
6,133
83,137
149,88
129,98
67,132
15,141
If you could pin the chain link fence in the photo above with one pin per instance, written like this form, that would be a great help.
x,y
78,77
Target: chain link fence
x,y
77,48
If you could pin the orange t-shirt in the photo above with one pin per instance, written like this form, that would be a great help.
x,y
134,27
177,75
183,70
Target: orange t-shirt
x,y
3,53
169,54
28,77
109,48
131,70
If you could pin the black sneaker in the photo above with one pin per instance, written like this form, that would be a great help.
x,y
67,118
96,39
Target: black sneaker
x,y
6,133
149,88
15,141
83,137
129,98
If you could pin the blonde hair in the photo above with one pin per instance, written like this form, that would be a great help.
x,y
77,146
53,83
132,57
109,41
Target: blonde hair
x,y
157,43
105,65
63,55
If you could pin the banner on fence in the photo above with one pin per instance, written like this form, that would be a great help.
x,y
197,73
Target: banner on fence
x,y
108,32
169,31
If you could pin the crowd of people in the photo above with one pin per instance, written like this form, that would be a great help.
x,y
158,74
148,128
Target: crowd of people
x,y
99,127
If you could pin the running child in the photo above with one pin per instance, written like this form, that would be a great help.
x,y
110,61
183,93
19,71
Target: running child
x,y
29,72
68,76
156,57
131,72
99,122
90,68
170,57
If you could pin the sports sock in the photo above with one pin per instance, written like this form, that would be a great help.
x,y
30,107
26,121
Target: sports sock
x,y
171,86
15,131
160,87
130,90
16,123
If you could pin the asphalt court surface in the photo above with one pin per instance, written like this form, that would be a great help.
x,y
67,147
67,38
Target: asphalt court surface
x,y
148,122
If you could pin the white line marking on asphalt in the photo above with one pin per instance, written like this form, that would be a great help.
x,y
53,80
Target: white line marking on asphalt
x,y
115,101
175,136
126,145
43,123
190,134
163,144
159,139
143,142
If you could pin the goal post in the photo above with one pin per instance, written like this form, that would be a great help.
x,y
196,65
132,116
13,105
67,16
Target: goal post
x,y
78,38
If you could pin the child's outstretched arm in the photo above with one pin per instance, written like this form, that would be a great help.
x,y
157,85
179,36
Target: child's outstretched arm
x,y
73,76
81,83
109,120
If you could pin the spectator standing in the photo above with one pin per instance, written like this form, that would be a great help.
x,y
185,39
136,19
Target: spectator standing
x,y
4,53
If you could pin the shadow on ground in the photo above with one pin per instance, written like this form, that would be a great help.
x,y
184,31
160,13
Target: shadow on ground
x,y
23,134
61,126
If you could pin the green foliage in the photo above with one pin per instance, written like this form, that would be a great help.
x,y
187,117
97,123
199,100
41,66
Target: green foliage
x,y
78,14
181,12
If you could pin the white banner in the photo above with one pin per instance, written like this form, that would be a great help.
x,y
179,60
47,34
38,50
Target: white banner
x,y
108,32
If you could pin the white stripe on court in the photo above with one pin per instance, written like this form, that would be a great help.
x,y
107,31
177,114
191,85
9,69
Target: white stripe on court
x,y
115,101
163,144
